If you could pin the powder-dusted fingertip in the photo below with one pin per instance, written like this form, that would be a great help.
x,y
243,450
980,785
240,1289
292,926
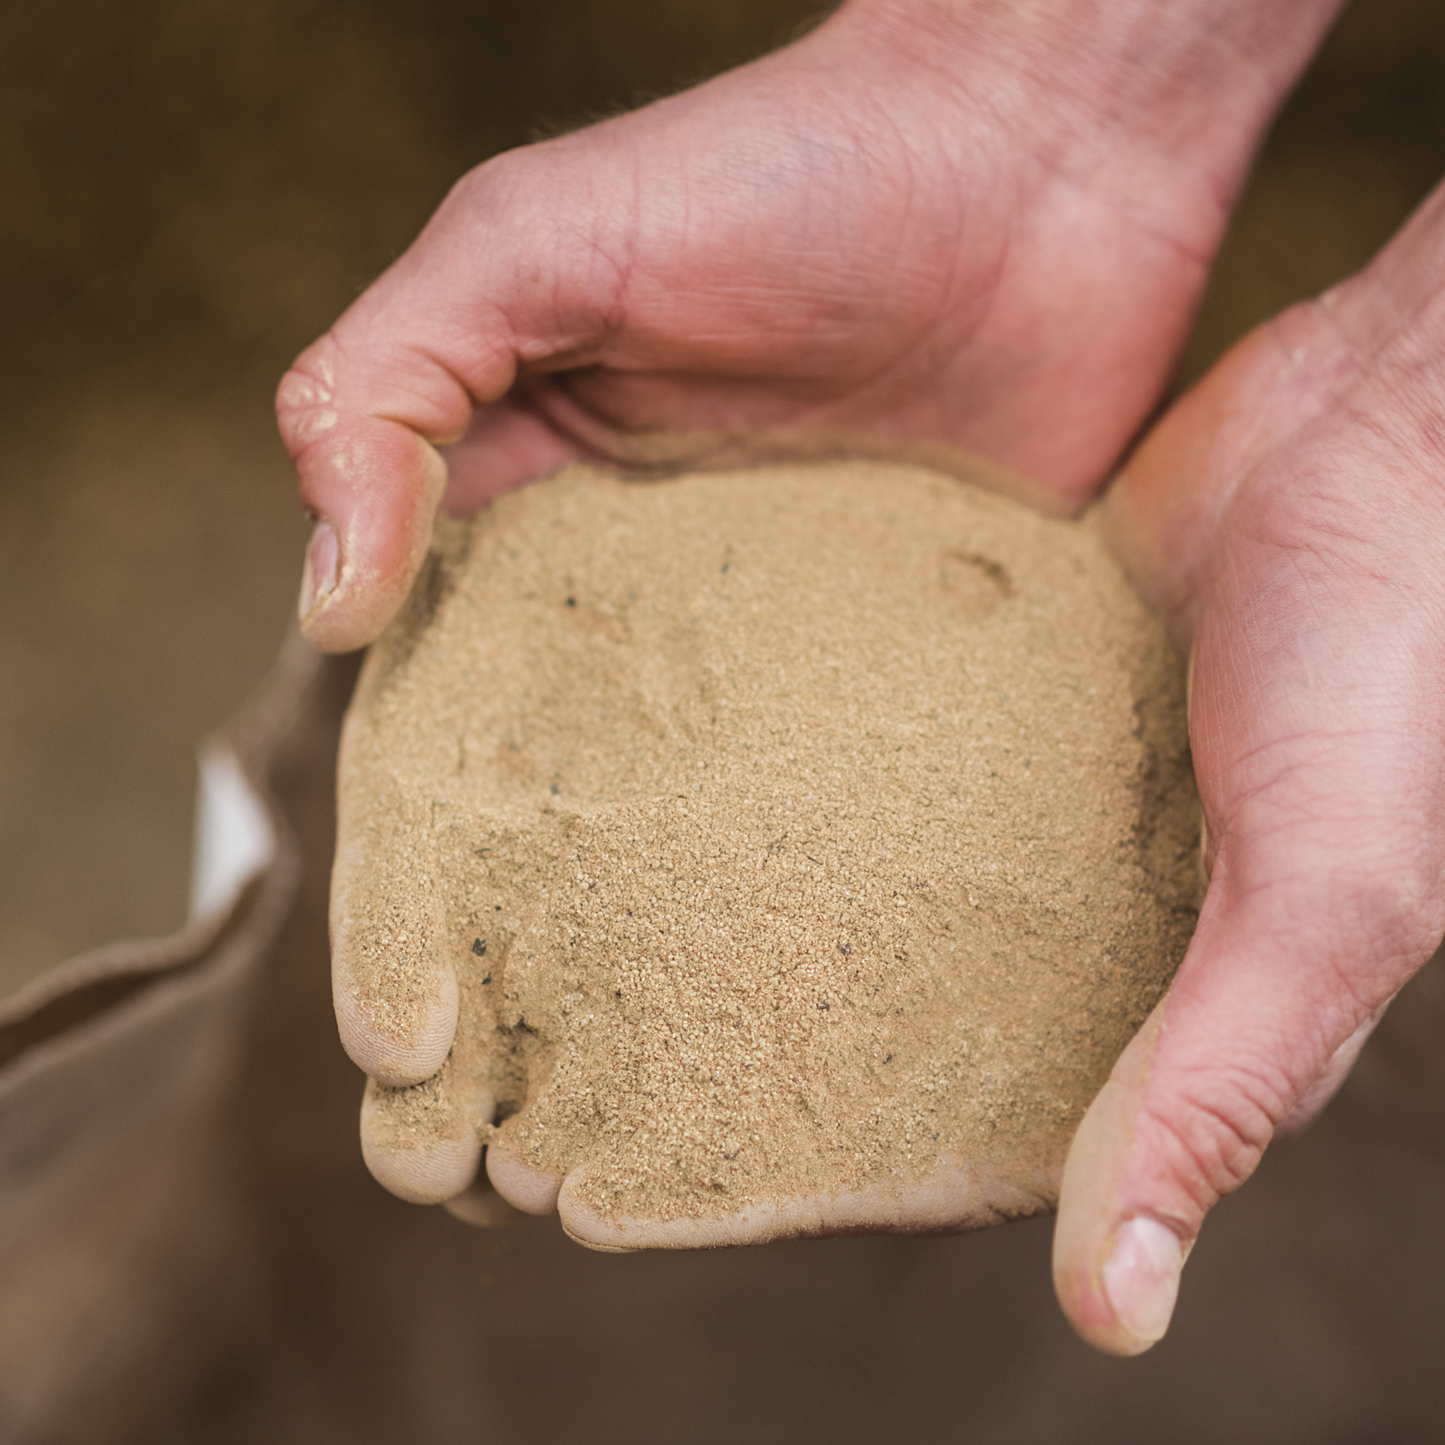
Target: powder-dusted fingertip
x,y
414,1146
526,1189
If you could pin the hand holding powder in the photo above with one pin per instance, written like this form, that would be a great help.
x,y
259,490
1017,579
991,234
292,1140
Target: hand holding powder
x,y
761,853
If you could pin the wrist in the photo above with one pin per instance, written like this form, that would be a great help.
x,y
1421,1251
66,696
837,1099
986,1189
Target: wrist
x,y
1193,83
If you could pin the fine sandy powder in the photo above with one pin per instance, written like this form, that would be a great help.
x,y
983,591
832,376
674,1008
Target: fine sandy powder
x,y
790,831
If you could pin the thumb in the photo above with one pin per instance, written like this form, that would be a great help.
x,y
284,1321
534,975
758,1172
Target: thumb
x,y
365,410
1258,1027
370,476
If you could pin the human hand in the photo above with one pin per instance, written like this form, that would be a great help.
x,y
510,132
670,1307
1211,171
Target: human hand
x,y
1288,513
929,227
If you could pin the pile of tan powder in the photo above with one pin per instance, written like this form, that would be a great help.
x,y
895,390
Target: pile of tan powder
x,y
790,831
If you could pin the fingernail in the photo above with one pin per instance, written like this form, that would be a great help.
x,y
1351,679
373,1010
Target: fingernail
x,y
1141,1277
318,577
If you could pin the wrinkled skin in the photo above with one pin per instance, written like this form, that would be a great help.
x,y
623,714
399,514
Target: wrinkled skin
x,y
1287,513
961,227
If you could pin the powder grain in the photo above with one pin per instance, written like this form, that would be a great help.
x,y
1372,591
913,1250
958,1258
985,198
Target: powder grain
x,y
790,831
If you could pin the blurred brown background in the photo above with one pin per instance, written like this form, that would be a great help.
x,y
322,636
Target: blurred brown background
x,y
193,189
190,191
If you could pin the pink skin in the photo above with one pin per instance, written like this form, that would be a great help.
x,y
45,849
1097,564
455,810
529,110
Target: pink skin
x,y
1288,512
930,225
945,226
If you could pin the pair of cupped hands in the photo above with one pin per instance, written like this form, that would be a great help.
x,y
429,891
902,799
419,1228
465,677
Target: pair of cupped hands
x,y
947,227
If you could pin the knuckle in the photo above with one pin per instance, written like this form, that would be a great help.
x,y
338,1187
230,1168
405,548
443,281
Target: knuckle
x,y
1209,1135
305,399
